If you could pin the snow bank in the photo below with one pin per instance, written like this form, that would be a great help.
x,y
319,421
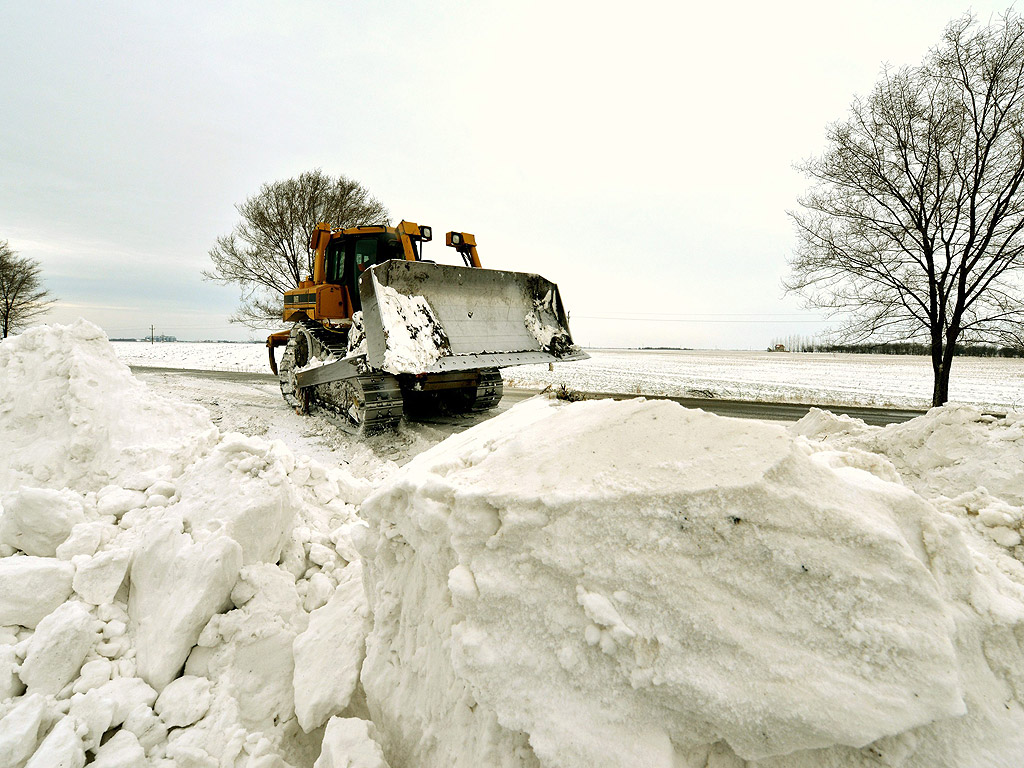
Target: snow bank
x,y
969,464
168,594
610,584
71,414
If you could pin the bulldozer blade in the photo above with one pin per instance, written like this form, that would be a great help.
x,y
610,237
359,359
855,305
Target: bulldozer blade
x,y
426,318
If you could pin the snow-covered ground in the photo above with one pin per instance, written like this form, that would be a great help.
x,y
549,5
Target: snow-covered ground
x,y
200,356
590,584
823,379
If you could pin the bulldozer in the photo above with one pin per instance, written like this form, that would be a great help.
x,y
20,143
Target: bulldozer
x,y
377,331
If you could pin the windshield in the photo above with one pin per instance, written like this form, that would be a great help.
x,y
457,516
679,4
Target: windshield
x,y
354,255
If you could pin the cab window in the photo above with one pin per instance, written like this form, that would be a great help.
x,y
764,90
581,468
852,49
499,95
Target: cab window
x,y
335,267
365,254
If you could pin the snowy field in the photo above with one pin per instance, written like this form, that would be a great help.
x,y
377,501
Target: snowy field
x,y
824,379
200,356
599,584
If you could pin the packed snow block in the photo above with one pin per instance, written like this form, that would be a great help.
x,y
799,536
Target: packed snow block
x,y
20,729
10,683
98,579
242,491
184,701
57,649
72,415
95,715
31,588
622,582
114,501
147,727
329,653
349,743
86,539
125,694
38,520
62,747
122,750
177,584
247,652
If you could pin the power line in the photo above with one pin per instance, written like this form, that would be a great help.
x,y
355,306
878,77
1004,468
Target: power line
x,y
696,319
707,314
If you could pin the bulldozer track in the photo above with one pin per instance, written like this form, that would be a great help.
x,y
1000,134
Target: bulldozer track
x,y
370,402
365,404
488,390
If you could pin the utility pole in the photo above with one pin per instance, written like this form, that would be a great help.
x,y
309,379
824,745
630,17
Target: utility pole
x,y
152,333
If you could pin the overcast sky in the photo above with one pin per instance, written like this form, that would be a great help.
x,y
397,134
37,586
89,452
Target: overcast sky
x,y
640,154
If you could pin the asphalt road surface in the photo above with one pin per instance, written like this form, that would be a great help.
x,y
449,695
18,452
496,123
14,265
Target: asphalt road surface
x,y
744,409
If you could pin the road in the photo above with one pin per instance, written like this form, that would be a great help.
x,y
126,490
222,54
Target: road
x,y
744,409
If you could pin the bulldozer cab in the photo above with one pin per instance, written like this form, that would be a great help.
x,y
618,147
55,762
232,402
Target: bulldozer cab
x,y
348,257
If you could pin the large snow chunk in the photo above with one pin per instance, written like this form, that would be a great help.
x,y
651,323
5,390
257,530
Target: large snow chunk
x,y
329,653
125,693
349,743
38,520
177,584
622,580
242,491
248,651
247,654
10,683
19,729
98,579
62,747
57,649
122,750
955,449
184,701
72,415
31,588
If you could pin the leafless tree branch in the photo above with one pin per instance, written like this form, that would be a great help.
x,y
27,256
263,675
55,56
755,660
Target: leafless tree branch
x,y
22,295
267,253
913,228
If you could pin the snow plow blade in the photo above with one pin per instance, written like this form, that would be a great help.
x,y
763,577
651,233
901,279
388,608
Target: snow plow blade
x,y
429,318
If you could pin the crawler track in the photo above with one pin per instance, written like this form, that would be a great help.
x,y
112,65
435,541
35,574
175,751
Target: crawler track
x,y
366,404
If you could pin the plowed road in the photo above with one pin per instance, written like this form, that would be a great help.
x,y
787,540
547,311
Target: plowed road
x,y
744,409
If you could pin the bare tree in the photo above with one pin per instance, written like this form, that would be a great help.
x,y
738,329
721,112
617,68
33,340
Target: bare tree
x,y
913,226
22,296
268,251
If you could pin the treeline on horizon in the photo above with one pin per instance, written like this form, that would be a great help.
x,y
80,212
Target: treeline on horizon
x,y
801,344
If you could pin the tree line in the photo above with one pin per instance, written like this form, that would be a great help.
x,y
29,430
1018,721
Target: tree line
x,y
810,344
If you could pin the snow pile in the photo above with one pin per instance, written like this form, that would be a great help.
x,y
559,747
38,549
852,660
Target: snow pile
x,y
169,596
71,414
609,584
967,463
413,337
955,449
